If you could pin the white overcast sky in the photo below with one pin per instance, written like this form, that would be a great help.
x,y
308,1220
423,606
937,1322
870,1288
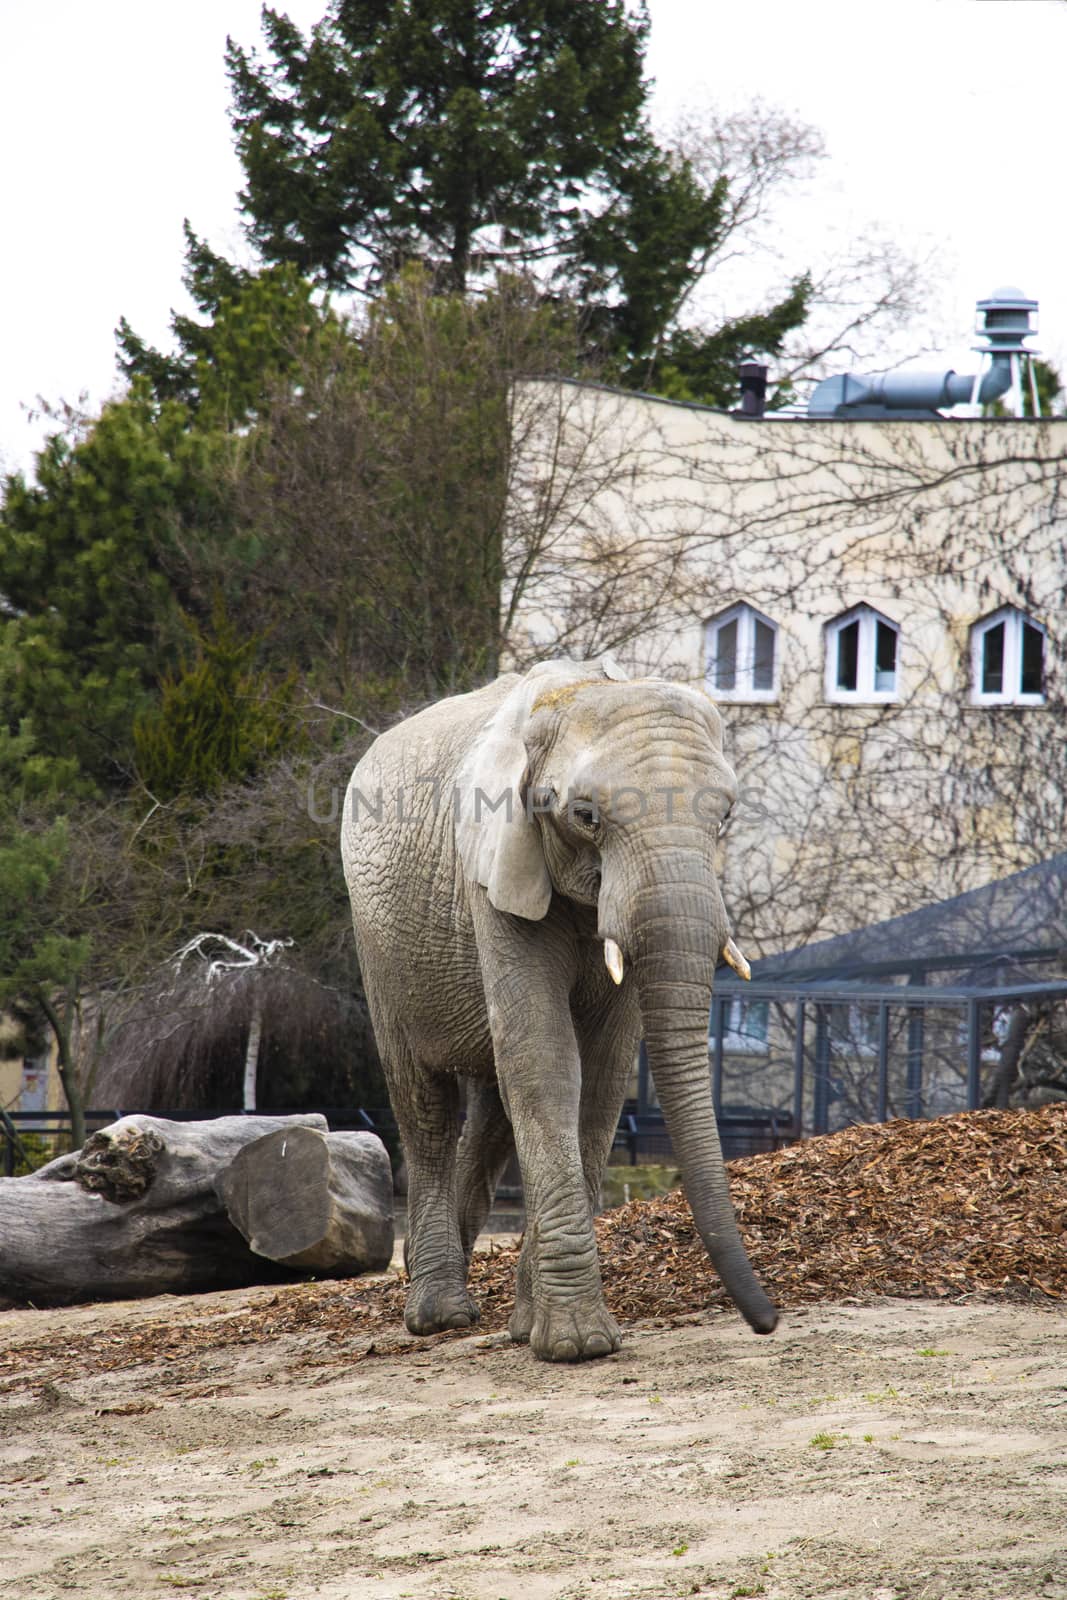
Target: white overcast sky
x,y
943,121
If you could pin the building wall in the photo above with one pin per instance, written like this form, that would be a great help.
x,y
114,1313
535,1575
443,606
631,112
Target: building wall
x,y
638,520
10,1083
28,1084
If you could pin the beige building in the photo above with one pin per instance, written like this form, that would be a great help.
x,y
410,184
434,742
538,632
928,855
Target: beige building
x,y
28,1083
878,606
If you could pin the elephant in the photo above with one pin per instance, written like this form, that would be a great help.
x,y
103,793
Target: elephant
x,y
531,871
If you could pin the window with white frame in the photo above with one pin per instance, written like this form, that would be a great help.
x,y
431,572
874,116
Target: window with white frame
x,y
741,655
862,657
1008,659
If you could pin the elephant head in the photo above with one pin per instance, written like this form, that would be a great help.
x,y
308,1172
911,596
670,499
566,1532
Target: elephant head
x,y
611,794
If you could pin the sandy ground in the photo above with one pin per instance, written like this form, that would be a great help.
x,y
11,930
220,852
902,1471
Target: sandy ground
x,y
864,1452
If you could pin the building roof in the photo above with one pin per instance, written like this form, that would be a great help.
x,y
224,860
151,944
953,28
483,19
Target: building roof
x,y
1013,921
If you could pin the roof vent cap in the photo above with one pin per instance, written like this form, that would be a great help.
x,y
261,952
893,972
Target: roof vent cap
x,y
1004,321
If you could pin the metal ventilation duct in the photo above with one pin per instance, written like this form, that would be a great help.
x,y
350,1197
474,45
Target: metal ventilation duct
x,y
1003,321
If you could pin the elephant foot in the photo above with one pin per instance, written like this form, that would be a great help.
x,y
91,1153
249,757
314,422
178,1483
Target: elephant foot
x,y
521,1321
565,1333
433,1309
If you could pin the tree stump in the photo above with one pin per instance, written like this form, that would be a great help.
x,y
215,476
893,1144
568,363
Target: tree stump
x,y
141,1209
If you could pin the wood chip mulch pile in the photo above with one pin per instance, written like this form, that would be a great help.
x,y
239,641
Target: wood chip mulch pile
x,y
968,1206
973,1205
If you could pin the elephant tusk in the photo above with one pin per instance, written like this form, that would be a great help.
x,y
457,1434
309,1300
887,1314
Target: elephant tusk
x,y
732,955
613,959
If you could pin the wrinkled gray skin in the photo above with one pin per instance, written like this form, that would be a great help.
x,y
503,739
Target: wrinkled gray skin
x,y
481,943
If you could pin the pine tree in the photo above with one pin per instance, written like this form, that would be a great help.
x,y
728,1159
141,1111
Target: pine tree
x,y
85,571
472,137
217,720
462,134
252,326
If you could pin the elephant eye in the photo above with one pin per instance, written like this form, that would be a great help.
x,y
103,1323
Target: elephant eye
x,y
584,815
722,825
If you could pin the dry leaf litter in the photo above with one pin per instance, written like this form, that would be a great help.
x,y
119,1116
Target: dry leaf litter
x,y
967,1206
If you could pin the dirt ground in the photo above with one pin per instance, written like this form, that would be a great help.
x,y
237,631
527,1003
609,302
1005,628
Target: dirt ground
x,y
864,1452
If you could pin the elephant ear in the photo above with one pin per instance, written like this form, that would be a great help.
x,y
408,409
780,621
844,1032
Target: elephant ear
x,y
499,843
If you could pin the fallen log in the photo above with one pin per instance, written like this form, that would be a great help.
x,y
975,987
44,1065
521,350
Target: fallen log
x,y
141,1209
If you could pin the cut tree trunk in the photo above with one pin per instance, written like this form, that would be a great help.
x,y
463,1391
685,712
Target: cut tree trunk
x,y
313,1203
140,1209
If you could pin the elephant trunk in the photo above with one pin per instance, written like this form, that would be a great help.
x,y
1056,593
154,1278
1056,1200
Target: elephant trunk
x,y
677,932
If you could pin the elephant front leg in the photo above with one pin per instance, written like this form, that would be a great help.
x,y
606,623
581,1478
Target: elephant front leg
x,y
559,1301
607,1027
527,974
427,1116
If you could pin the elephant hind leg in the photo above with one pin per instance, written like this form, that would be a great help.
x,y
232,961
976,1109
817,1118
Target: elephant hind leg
x,y
427,1114
486,1143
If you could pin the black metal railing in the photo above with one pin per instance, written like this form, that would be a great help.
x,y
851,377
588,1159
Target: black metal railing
x,y
30,1138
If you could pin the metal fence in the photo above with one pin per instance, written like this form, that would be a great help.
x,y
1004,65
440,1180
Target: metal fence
x,y
787,1060
824,1056
30,1138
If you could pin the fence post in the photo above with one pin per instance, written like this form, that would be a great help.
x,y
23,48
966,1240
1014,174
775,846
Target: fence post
x,y
913,1100
820,1113
798,1073
718,1019
883,1060
642,1079
974,1056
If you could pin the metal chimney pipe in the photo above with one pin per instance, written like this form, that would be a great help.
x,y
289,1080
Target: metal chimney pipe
x,y
753,376
1004,321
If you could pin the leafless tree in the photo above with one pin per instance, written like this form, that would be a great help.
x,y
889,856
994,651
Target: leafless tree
x,y
866,292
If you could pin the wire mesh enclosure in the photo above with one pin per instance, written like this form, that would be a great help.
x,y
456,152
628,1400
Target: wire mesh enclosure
x,y
827,1055
960,1005
956,1006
